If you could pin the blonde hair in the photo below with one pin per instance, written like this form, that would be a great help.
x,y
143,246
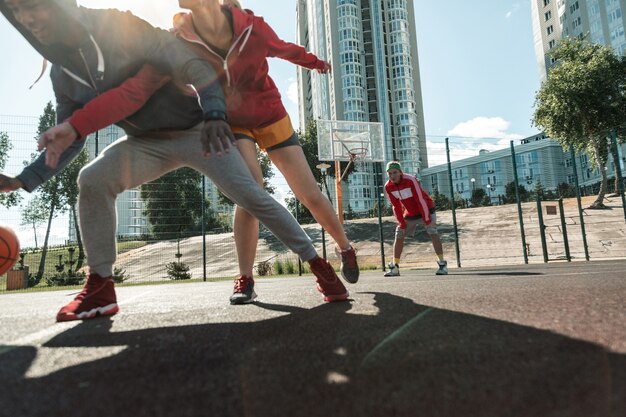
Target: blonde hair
x,y
234,3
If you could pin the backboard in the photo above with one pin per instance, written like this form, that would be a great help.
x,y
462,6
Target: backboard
x,y
341,140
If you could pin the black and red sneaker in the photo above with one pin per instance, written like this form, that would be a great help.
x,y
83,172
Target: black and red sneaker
x,y
244,290
328,283
349,266
96,299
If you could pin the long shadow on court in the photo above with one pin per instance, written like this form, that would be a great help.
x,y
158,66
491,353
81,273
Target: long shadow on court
x,y
407,360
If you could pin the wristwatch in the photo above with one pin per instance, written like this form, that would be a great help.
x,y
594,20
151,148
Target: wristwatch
x,y
215,115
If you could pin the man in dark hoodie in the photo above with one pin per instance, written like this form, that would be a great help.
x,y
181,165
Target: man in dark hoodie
x,y
95,50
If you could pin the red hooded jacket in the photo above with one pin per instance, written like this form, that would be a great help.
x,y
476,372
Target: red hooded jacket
x,y
252,98
410,194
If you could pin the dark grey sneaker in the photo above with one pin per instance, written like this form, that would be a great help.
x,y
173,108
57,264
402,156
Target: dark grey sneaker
x,y
349,266
244,291
443,268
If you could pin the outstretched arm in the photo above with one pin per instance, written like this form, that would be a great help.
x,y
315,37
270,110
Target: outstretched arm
x,y
292,52
108,108
118,103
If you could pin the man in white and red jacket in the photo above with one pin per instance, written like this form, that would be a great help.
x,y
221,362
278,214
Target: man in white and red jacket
x,y
412,206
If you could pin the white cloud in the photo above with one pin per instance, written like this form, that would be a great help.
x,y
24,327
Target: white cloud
x,y
484,128
510,13
468,138
292,92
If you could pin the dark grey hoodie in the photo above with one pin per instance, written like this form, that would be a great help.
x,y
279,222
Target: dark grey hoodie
x,y
118,46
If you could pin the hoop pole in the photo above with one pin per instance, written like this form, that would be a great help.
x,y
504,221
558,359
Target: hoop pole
x,y
338,193
345,171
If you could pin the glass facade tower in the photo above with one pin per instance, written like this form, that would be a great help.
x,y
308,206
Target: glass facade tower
x,y
372,46
553,20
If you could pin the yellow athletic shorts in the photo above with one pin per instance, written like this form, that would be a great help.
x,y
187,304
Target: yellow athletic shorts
x,y
268,136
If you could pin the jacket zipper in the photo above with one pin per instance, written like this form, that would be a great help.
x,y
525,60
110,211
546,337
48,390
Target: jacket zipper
x,y
93,82
246,32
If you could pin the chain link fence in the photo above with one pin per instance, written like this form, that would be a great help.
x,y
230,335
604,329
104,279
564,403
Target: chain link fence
x,y
496,204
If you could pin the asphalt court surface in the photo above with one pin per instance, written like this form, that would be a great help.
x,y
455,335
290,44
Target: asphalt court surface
x,y
525,340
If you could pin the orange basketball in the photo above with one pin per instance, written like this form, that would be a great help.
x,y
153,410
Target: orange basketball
x,y
9,249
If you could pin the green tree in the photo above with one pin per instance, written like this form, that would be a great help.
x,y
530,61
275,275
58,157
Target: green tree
x,y
33,214
442,202
50,191
11,199
566,190
540,190
299,211
478,197
173,203
60,193
583,98
509,191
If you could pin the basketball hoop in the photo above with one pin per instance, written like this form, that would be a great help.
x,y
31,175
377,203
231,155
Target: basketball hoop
x,y
357,158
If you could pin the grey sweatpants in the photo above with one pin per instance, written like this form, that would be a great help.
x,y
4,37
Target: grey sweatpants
x,y
132,161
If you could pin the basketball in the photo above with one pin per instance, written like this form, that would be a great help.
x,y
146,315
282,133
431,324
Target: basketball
x,y
9,249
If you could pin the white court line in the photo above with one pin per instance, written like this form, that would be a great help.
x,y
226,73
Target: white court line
x,y
46,333
43,335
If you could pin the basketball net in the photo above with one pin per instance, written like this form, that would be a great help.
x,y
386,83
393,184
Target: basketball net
x,y
357,158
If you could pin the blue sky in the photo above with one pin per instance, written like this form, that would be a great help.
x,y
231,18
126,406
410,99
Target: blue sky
x,y
477,63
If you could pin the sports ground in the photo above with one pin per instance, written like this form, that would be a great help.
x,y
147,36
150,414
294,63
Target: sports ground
x,y
525,340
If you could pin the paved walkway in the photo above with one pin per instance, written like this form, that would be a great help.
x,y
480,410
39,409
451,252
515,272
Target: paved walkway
x,y
538,340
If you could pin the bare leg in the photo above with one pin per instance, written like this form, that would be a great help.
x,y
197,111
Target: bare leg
x,y
246,226
291,161
398,246
437,245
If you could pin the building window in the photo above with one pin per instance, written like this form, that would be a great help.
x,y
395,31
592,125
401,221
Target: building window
x,y
550,29
548,15
546,2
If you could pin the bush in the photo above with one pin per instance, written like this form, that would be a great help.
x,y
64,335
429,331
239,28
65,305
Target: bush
x,y
119,275
290,268
65,278
264,268
279,269
178,270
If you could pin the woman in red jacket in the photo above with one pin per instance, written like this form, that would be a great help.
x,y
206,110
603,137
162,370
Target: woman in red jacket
x,y
237,43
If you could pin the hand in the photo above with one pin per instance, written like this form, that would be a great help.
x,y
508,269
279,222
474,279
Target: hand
x,y
217,137
327,68
8,184
55,141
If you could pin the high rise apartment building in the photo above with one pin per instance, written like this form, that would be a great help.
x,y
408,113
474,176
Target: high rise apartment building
x,y
602,20
372,46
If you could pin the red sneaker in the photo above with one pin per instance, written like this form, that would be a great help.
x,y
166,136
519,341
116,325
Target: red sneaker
x,y
244,290
96,299
327,281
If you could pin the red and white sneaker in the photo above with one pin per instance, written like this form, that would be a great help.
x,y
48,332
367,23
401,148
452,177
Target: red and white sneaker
x,y
328,283
96,299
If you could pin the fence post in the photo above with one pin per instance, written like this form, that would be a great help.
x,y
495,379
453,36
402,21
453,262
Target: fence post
x,y
542,230
203,228
564,228
519,203
453,206
378,176
618,170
